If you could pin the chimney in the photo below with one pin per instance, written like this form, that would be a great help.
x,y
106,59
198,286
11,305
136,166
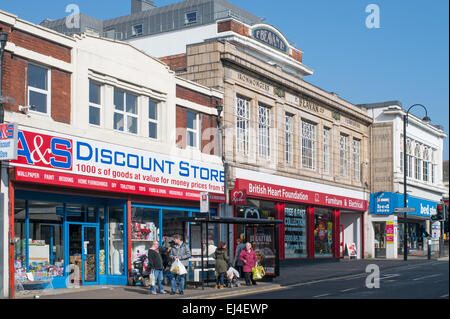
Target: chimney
x,y
141,5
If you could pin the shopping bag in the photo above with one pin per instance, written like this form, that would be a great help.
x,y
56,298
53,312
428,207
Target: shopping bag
x,y
178,268
152,278
231,273
258,272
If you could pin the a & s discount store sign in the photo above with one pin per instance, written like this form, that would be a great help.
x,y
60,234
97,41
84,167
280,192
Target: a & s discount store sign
x,y
55,159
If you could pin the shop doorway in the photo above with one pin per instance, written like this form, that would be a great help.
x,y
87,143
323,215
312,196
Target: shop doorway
x,y
380,239
83,253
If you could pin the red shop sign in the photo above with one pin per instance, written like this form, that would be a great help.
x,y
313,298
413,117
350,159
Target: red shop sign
x,y
289,194
239,197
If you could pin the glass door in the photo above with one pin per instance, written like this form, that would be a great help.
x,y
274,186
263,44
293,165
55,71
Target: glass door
x,y
89,255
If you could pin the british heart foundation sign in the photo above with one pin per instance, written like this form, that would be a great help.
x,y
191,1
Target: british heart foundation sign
x,y
239,197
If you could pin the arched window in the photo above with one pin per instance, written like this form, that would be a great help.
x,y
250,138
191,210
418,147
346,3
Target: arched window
x,y
418,162
409,158
426,164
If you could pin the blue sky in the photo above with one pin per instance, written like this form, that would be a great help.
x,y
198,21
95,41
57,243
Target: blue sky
x,y
406,59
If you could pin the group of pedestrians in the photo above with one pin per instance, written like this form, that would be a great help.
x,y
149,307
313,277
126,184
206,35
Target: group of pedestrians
x,y
160,260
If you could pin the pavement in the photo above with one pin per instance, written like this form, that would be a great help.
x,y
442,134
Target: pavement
x,y
289,275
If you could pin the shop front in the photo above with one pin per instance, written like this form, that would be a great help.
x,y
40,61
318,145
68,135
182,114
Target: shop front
x,y
389,227
311,228
85,224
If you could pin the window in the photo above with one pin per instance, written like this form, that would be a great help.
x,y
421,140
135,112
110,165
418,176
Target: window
x,y
264,131
153,119
433,167
409,158
137,30
295,232
192,128
426,165
242,125
308,145
326,150
289,137
39,88
190,17
94,103
323,232
418,162
356,159
401,157
343,155
126,111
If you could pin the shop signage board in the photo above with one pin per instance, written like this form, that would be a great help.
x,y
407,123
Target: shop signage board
x,y
238,197
97,165
288,194
390,232
204,202
388,203
8,141
270,36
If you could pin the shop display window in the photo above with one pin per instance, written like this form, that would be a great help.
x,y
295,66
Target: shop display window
x,y
323,233
116,241
20,235
295,226
144,230
257,209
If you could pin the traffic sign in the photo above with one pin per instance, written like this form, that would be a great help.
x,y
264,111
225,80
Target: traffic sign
x,y
405,210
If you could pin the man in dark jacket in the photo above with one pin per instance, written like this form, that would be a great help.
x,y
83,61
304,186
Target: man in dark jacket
x,y
182,253
155,263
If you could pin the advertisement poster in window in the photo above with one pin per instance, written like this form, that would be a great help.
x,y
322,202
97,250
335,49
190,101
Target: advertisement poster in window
x,y
263,242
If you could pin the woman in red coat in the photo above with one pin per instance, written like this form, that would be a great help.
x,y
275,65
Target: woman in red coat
x,y
248,258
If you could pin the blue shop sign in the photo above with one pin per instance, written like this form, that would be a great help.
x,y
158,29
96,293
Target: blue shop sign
x,y
270,37
384,203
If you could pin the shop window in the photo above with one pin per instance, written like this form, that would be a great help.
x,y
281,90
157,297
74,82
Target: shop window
x,y
173,224
116,241
257,209
144,230
39,88
46,240
295,226
323,233
19,243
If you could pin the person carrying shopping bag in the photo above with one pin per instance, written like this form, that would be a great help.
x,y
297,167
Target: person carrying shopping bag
x,y
222,261
179,252
248,258
237,262
155,264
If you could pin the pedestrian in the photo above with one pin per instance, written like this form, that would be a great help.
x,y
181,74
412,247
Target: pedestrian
x,y
166,261
182,253
248,257
237,262
222,262
155,264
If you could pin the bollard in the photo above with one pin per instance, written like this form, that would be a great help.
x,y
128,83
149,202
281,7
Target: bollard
x,y
429,248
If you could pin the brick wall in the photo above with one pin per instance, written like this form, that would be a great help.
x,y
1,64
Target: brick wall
x,y
15,69
175,62
196,97
181,127
210,135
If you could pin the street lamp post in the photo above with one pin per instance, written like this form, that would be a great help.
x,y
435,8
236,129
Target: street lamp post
x,y
3,40
427,120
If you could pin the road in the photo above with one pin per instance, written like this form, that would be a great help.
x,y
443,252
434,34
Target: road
x,y
424,281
